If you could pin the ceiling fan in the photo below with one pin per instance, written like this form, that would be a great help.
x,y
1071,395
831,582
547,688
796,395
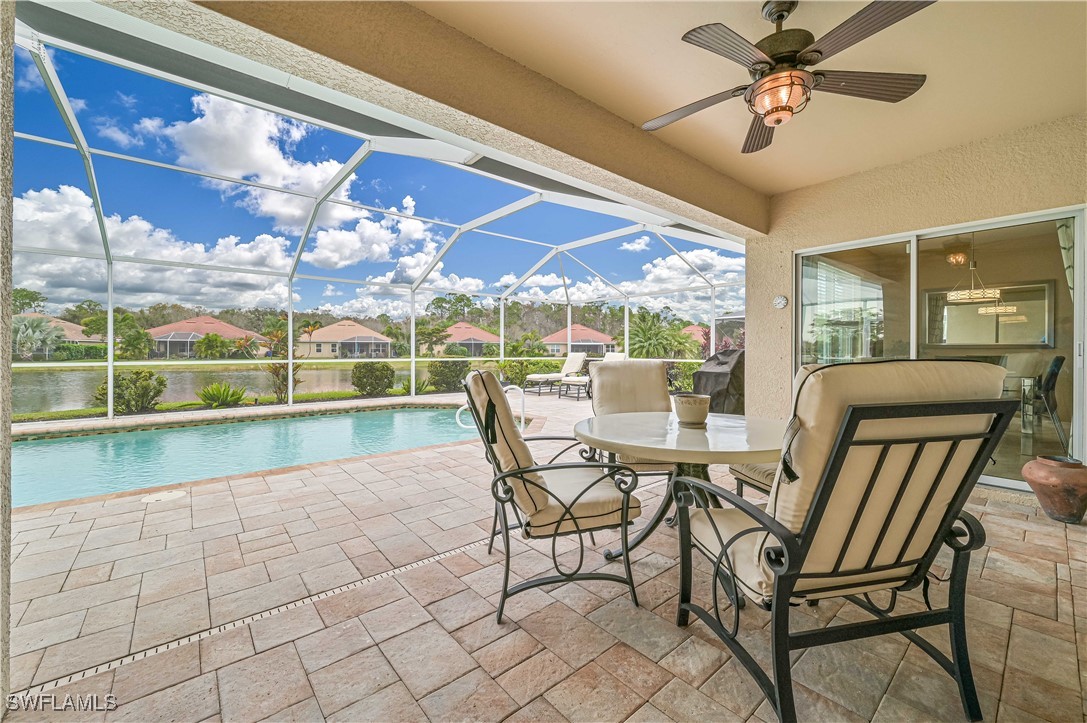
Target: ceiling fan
x,y
782,83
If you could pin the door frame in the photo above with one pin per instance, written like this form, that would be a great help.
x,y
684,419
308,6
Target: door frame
x,y
1078,437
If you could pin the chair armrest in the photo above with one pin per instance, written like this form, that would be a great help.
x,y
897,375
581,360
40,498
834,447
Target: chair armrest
x,y
788,558
587,453
973,533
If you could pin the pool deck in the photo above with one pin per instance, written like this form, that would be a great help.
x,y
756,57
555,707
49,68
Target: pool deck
x,y
362,590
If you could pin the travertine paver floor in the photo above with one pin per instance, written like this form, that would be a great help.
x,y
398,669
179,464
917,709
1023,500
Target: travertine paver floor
x,y
96,581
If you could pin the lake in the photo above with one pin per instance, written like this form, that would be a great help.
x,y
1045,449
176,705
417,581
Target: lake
x,y
50,390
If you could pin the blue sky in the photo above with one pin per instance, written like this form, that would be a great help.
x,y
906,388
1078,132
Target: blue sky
x,y
168,215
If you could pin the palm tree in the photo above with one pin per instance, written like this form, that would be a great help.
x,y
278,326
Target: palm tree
x,y
30,334
651,337
308,327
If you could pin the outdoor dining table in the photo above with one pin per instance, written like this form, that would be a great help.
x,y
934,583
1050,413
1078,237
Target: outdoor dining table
x,y
658,436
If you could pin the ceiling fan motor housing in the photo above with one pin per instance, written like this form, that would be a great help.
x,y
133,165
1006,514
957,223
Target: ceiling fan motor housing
x,y
783,47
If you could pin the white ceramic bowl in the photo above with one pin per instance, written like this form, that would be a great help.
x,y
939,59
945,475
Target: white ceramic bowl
x,y
691,409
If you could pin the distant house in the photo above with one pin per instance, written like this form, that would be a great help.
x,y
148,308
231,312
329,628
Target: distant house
x,y
179,338
73,333
470,337
345,340
582,339
696,332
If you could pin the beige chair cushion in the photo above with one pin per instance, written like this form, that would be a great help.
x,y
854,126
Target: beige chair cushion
x,y
610,356
759,476
509,448
822,394
634,385
601,506
754,579
574,362
578,381
552,377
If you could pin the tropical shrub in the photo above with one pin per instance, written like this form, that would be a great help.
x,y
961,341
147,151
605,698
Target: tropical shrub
x,y
447,376
453,349
220,395
490,349
72,352
681,375
133,392
213,346
515,372
280,374
422,385
372,379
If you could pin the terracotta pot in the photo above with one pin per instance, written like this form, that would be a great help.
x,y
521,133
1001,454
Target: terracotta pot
x,y
1061,486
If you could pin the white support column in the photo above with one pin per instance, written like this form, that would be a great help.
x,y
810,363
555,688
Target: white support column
x,y
501,330
109,340
713,321
626,327
290,342
569,331
412,376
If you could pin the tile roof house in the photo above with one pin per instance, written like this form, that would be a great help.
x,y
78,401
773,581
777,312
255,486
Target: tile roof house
x,y
344,339
178,338
470,337
582,338
73,333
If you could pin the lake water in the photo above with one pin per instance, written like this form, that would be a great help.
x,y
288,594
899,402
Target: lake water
x,y
49,390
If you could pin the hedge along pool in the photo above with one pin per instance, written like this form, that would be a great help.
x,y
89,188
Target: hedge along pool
x,y
50,470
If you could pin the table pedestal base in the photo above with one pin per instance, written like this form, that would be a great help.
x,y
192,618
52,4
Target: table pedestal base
x,y
683,469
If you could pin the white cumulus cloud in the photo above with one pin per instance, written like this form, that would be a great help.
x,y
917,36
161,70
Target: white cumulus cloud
x,y
639,244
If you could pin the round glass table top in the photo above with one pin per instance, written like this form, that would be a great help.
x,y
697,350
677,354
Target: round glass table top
x,y
727,438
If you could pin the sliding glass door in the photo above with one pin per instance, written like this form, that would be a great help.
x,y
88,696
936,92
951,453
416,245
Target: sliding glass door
x,y
1001,294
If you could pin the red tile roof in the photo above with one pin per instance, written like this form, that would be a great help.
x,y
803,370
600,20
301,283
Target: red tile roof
x,y
579,334
342,331
695,332
73,333
202,326
463,331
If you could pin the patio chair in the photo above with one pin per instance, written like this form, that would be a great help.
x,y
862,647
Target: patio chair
x,y
572,365
634,385
577,383
754,474
878,462
610,356
1046,399
550,500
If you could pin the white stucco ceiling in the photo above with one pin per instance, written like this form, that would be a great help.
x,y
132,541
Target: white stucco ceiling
x,y
992,67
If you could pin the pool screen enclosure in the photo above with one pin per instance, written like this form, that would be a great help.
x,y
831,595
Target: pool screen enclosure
x,y
305,228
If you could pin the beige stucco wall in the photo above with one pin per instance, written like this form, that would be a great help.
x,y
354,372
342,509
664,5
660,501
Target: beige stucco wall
x,y
1032,169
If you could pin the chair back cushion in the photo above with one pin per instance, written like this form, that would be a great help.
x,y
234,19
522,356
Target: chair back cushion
x,y
500,432
822,394
631,385
610,356
573,363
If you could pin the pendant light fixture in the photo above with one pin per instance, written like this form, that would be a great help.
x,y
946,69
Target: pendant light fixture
x,y
975,294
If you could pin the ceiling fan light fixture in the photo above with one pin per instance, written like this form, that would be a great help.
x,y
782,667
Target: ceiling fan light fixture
x,y
777,97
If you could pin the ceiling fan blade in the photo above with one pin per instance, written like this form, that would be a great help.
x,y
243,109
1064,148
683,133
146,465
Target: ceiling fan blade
x,y
870,20
692,108
759,136
727,43
888,87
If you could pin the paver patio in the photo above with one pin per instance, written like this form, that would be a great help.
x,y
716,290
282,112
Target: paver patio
x,y
100,580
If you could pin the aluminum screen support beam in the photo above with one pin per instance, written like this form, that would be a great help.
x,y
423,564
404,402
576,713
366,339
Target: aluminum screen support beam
x,y
60,98
528,274
595,273
412,334
713,321
110,341
683,258
626,327
530,200
290,343
502,330
606,236
699,238
327,190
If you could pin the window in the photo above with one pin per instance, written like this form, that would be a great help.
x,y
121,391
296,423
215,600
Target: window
x,y
318,347
333,348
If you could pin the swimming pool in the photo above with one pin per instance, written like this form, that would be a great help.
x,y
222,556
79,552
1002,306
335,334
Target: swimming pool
x,y
48,470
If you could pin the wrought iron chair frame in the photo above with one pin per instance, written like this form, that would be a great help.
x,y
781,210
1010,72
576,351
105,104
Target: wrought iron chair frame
x,y
624,478
958,529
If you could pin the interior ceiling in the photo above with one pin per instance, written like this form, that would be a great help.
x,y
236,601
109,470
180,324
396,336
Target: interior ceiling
x,y
992,67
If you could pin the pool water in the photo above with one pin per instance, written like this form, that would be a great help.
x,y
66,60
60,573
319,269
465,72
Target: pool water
x,y
48,470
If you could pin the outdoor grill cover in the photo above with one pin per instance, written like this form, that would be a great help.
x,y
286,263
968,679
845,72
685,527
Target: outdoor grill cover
x,y
722,378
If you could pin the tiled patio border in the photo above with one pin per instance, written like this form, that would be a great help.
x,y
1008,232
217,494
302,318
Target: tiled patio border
x,y
207,633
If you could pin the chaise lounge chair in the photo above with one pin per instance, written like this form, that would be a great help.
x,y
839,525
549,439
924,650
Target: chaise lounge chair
x,y
572,365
